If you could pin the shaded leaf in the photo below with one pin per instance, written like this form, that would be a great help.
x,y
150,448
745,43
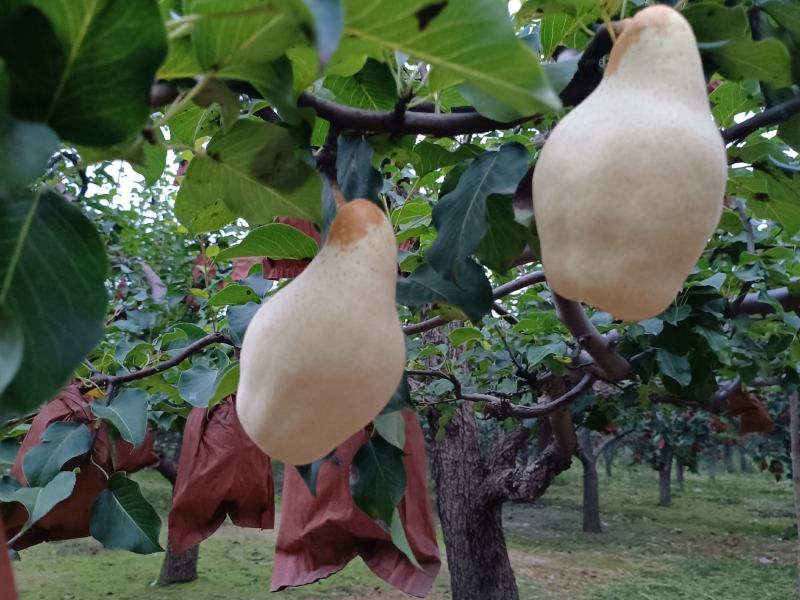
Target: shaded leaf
x,y
59,443
274,241
378,479
128,413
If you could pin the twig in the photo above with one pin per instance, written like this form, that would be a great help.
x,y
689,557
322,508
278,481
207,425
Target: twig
x,y
194,347
499,292
747,224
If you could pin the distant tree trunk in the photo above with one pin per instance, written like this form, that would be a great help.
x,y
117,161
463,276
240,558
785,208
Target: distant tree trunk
x,y
744,461
794,435
591,484
679,474
712,469
727,457
176,568
665,480
179,568
477,556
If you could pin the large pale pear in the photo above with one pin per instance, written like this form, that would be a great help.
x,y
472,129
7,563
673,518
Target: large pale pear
x,y
629,186
322,357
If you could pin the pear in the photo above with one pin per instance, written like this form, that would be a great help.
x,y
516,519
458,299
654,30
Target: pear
x,y
322,357
629,186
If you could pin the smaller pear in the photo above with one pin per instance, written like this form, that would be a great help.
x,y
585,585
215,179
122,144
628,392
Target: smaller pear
x,y
322,357
629,186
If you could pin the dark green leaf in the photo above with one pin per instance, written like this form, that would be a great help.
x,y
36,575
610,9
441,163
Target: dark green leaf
x,y
765,60
128,413
24,151
714,23
674,366
59,49
239,318
373,87
378,479
400,540
60,442
505,238
537,354
401,398
392,428
122,519
52,280
355,173
472,293
39,501
461,217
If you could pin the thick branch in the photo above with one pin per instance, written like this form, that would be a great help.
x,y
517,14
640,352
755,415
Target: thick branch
x,y
193,348
598,346
771,116
753,305
168,469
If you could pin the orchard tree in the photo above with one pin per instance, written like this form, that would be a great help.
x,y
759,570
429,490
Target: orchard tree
x,y
253,122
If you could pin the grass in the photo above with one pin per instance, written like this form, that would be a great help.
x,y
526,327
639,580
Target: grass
x,y
712,544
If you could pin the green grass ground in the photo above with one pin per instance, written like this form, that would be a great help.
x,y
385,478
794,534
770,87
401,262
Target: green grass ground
x,y
710,545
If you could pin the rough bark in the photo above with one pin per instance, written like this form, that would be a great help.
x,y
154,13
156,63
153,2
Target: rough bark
x,y
591,484
794,434
665,480
473,531
179,568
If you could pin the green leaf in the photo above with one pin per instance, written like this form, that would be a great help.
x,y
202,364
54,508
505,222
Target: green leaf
x,y
193,122
552,30
354,171
674,366
373,87
122,519
56,52
713,23
471,40
765,60
204,387
472,293
234,294
432,156
250,171
537,354
8,451
52,287
789,132
239,318
780,203
787,16
392,428
274,241
25,149
328,25
461,217
462,335
12,349
378,479
505,238
128,413
235,41
154,160
39,501
59,443
400,540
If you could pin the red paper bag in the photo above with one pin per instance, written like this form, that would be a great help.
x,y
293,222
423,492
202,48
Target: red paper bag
x,y
221,473
318,536
70,518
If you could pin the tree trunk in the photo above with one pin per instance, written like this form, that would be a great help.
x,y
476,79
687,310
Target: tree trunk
x,y
665,480
712,469
179,568
591,485
744,462
794,436
679,474
176,568
727,457
476,548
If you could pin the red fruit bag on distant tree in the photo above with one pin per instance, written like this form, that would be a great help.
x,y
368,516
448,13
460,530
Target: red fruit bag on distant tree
x,y
221,473
318,536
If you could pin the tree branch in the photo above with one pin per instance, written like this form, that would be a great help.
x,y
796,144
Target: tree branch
x,y
754,305
499,292
501,408
598,346
771,116
193,348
